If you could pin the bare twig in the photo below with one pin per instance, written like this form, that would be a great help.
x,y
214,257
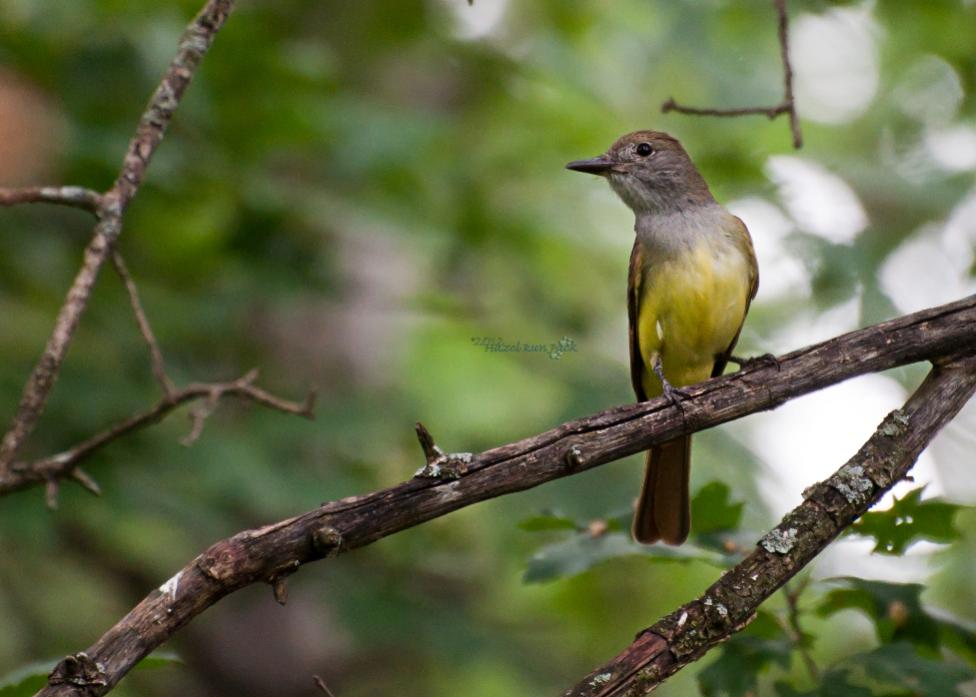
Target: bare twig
x,y
792,595
828,509
783,29
787,106
74,196
50,470
265,554
155,353
432,453
109,208
320,683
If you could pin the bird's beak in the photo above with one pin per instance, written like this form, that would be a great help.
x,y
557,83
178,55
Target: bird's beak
x,y
598,165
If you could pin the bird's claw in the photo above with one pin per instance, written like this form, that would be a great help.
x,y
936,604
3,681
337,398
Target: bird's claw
x,y
766,359
673,394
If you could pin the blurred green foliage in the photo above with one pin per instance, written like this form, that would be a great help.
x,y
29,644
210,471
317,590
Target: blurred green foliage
x,y
350,194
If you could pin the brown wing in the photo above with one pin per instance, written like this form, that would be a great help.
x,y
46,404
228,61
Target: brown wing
x,y
633,300
745,242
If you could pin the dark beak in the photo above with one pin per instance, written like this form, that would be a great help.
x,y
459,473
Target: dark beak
x,y
597,165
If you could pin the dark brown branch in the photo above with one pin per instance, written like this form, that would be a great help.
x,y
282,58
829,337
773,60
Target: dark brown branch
x,y
110,207
730,603
787,106
74,196
51,469
267,553
432,453
155,353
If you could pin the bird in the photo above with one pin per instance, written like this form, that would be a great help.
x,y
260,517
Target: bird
x,y
692,277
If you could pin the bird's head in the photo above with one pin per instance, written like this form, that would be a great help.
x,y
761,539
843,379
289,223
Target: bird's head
x,y
650,171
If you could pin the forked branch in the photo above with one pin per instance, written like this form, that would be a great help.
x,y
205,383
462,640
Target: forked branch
x,y
786,106
271,553
828,509
109,208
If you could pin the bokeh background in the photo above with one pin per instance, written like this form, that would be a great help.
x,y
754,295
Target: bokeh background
x,y
350,195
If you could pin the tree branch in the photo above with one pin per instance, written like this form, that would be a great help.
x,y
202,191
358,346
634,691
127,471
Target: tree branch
x,y
155,353
730,603
271,553
109,208
787,106
74,196
49,470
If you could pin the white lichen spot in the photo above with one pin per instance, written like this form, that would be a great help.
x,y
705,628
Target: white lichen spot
x,y
170,587
601,679
682,619
722,610
779,541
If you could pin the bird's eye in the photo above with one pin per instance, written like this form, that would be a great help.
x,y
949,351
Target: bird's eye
x,y
644,149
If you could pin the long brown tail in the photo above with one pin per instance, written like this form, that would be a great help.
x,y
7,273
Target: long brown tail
x,y
663,509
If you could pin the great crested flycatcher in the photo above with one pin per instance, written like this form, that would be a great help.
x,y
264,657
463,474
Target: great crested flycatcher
x,y
692,276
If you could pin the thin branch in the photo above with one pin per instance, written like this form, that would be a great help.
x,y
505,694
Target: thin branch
x,y
110,207
828,509
74,196
155,353
42,379
792,596
320,683
51,469
783,31
787,106
273,551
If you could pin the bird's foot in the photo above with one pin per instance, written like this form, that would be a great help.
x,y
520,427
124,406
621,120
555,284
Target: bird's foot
x,y
671,393
767,359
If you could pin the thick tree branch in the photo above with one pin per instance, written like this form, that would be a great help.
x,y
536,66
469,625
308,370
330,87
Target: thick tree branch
x,y
730,603
109,208
271,553
787,106
49,470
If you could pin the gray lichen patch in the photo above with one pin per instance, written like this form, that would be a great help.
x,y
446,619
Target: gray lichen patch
x,y
852,483
450,466
895,424
779,541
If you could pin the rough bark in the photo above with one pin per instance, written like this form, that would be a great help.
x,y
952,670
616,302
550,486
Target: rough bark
x,y
270,554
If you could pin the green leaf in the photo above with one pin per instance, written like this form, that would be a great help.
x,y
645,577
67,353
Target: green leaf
x,y
713,511
26,680
584,551
160,659
898,615
899,669
907,521
548,520
744,657
895,609
833,683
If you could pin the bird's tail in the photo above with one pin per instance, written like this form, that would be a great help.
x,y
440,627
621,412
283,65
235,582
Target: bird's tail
x,y
663,509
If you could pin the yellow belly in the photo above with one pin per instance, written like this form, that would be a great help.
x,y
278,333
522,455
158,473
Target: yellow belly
x,y
689,312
